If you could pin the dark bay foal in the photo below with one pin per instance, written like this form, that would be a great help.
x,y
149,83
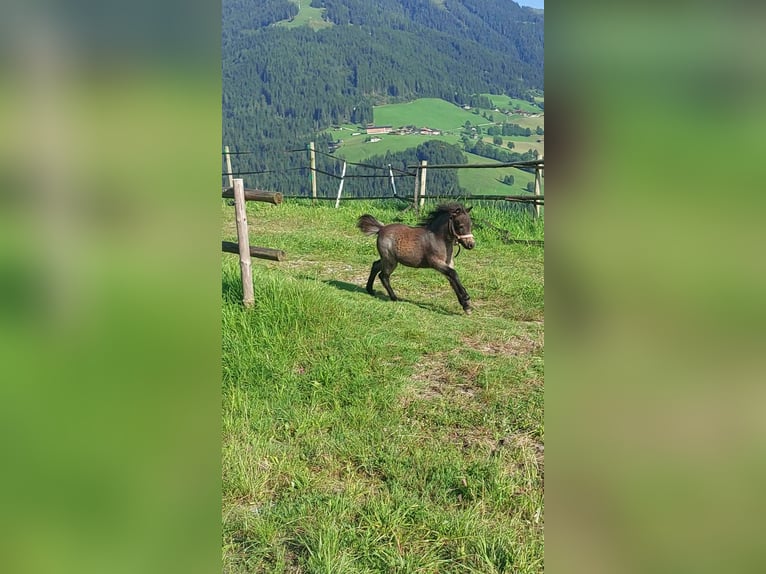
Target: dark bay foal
x,y
429,244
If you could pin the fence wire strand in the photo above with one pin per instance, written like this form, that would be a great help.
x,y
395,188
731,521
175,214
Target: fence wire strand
x,y
527,166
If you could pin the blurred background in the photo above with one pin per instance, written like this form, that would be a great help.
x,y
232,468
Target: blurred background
x,y
110,293
109,286
655,287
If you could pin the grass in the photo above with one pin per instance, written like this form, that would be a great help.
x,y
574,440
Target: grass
x,y
307,16
444,116
362,435
506,102
485,181
431,112
356,149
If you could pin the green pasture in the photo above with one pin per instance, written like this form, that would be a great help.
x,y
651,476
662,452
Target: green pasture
x,y
447,117
425,112
441,115
531,143
477,181
506,102
436,114
362,435
530,123
307,16
486,181
356,149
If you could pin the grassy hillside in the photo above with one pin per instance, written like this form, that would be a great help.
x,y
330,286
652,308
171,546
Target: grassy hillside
x,y
307,16
485,181
355,148
478,181
506,102
362,435
430,112
449,119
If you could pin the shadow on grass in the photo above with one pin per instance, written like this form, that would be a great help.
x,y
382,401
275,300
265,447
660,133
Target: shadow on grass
x,y
381,296
344,286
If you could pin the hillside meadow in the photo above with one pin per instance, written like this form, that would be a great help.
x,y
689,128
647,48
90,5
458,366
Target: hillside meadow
x,y
507,102
364,435
449,119
307,16
431,112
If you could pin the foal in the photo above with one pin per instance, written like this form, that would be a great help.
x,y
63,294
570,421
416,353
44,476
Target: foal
x,y
429,244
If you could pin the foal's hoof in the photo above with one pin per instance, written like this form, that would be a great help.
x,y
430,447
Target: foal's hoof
x,y
468,310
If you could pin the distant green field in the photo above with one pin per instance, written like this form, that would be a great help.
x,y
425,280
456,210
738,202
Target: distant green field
x,y
479,181
513,103
524,146
441,115
485,181
307,16
356,149
530,123
431,112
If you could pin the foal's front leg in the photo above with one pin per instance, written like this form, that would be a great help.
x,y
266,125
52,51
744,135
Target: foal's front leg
x,y
457,286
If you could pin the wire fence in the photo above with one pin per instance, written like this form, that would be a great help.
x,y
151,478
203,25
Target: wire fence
x,y
534,199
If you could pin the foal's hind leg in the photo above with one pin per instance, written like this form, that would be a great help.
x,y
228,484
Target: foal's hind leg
x,y
385,275
373,273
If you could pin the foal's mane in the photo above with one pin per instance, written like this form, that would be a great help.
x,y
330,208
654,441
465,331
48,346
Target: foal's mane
x,y
441,210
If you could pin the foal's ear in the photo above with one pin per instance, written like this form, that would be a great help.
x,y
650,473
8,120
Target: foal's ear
x,y
469,208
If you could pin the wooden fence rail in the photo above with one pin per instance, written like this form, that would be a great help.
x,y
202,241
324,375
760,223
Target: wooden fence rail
x,y
259,252
533,164
274,197
525,198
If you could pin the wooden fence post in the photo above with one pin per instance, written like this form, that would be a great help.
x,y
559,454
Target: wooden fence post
x,y
391,173
248,297
340,187
538,177
416,203
313,156
423,164
228,166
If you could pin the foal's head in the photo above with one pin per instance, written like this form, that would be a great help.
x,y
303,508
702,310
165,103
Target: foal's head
x,y
460,225
454,221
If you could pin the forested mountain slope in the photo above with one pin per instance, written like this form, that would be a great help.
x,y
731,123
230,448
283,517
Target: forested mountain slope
x,y
282,84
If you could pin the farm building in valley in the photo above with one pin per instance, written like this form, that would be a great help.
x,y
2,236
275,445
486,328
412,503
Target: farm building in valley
x,y
372,129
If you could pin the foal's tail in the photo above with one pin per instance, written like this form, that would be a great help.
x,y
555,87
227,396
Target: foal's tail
x,y
369,225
